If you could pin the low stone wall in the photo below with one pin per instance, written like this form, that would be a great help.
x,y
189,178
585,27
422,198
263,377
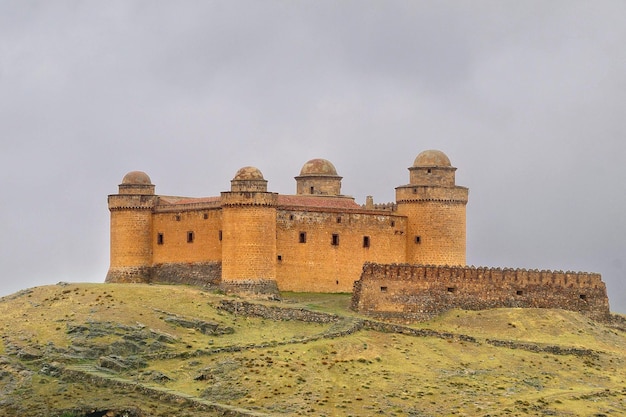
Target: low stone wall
x,y
262,288
423,291
245,308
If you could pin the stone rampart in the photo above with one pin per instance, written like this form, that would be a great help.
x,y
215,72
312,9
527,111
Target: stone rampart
x,y
423,291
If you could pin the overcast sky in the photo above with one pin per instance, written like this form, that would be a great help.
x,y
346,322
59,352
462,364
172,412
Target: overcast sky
x,y
527,98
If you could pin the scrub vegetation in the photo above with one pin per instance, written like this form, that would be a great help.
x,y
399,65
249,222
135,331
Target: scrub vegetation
x,y
150,350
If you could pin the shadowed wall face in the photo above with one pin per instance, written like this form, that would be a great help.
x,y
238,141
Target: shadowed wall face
x,y
423,292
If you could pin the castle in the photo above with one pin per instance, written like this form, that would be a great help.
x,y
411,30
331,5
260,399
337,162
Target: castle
x,y
252,240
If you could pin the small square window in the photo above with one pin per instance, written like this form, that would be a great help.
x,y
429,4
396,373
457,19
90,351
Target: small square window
x,y
418,239
302,237
393,224
366,241
190,236
338,219
451,289
160,239
335,240
383,289
177,217
280,258
291,217
583,297
205,216
519,292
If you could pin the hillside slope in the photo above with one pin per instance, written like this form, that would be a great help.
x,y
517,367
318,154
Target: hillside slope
x,y
149,350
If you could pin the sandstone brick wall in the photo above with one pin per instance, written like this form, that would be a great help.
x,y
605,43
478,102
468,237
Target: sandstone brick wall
x,y
318,185
248,242
436,232
130,238
422,292
130,230
437,176
316,265
174,228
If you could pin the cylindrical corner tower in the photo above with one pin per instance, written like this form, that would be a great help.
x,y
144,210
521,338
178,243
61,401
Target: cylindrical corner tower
x,y
435,209
249,235
318,177
131,229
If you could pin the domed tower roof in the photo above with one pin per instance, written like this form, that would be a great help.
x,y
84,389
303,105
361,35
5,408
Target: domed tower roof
x,y
248,179
432,158
136,178
318,177
432,168
136,182
318,167
248,173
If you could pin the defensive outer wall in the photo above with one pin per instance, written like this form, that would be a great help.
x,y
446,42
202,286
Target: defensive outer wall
x,y
421,292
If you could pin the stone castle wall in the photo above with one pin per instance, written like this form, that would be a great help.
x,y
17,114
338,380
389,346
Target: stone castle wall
x,y
130,231
176,245
436,232
309,260
199,274
422,292
436,222
249,243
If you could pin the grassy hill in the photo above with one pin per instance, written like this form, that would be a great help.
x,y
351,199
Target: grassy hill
x,y
150,350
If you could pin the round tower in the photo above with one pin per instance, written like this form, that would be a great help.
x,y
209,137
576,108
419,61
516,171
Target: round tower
x,y
435,209
131,229
318,177
249,235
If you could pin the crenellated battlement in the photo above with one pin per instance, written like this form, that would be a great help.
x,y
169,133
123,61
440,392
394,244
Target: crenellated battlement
x,y
131,202
514,275
423,291
380,206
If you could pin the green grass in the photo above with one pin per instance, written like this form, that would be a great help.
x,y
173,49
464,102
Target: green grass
x,y
335,303
365,373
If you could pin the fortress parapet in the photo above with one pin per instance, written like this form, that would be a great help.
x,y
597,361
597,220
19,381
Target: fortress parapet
x,y
425,291
370,205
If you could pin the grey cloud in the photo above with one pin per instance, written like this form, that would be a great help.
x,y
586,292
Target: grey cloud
x,y
525,97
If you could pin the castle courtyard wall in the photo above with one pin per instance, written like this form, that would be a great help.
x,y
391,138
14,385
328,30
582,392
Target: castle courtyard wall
x,y
422,292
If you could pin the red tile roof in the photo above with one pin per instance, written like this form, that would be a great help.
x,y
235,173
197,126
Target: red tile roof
x,y
306,201
188,200
317,201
